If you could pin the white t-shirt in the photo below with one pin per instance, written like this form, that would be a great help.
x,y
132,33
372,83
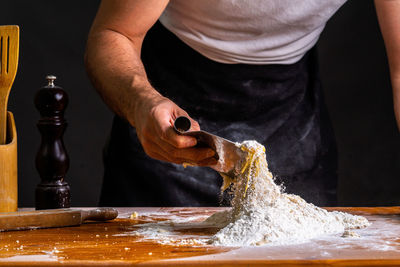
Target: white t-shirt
x,y
249,31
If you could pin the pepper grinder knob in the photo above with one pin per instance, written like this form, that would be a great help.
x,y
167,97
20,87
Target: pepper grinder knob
x,y
50,79
52,161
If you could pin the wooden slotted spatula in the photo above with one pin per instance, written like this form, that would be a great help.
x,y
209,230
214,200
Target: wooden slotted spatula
x,y
9,50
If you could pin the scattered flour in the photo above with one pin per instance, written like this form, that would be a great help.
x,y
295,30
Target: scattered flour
x,y
262,214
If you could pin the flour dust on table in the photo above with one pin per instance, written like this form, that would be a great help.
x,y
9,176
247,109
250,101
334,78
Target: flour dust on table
x,y
263,214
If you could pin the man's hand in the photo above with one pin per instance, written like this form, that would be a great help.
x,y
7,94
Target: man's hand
x,y
154,119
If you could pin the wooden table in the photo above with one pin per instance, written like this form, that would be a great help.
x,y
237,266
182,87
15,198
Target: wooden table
x,y
125,241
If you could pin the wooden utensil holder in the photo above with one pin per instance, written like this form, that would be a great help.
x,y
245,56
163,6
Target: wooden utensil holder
x,y
8,169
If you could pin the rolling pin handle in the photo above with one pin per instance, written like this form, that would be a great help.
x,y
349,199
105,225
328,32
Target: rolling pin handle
x,y
182,124
99,214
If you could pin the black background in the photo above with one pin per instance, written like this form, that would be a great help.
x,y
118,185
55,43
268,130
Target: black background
x,y
354,73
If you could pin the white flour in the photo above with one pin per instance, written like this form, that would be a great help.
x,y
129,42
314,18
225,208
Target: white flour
x,y
262,214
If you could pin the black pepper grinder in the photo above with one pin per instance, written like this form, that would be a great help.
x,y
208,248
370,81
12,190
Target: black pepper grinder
x,y
52,160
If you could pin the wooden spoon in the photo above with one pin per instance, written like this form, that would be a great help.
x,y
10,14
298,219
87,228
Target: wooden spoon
x,y
9,50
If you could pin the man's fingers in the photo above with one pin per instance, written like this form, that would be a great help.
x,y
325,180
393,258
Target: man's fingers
x,y
207,162
194,155
159,149
158,156
176,140
195,125
152,150
191,154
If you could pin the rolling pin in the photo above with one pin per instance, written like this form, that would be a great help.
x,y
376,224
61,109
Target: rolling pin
x,y
25,220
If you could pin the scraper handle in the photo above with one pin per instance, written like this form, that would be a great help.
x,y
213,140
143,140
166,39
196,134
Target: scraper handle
x,y
227,153
182,124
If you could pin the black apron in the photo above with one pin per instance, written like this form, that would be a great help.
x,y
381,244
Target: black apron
x,y
280,106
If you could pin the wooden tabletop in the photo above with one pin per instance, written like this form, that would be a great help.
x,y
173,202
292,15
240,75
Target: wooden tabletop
x,y
127,241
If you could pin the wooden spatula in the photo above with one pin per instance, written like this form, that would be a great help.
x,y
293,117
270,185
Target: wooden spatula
x,y
9,50
24,220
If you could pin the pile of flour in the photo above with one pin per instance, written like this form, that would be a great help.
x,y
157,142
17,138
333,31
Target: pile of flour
x,y
262,214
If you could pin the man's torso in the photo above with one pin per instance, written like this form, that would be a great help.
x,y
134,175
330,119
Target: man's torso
x,y
249,32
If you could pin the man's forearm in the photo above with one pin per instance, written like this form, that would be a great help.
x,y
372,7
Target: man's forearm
x,y
115,69
113,63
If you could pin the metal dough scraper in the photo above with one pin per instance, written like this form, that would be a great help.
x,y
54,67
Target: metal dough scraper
x,y
228,154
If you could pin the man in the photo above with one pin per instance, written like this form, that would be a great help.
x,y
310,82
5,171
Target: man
x,y
241,69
